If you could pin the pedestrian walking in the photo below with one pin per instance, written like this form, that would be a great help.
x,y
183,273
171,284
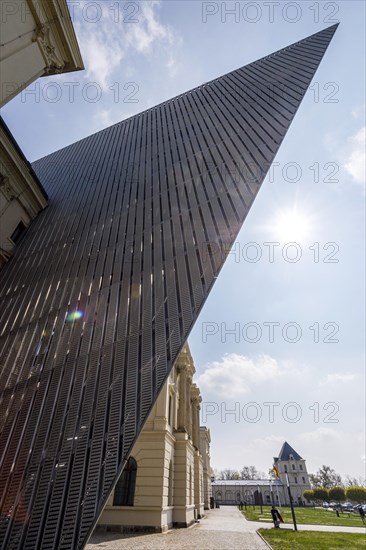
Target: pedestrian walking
x,y
276,517
361,511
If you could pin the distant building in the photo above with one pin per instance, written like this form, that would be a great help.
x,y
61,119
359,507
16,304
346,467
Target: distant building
x,y
166,481
261,491
268,491
291,463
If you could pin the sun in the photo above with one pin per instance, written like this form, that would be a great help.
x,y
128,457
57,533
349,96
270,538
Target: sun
x,y
292,225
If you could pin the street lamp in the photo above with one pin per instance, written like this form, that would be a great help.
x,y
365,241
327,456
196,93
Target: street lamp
x,y
260,498
291,503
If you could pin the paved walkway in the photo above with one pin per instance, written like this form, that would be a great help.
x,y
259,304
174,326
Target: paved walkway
x,y
221,529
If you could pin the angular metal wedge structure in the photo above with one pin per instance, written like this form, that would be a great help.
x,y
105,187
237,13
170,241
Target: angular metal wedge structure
x,y
105,287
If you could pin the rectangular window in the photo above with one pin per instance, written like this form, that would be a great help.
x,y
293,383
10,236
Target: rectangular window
x,y
18,232
295,479
293,467
124,491
303,479
300,466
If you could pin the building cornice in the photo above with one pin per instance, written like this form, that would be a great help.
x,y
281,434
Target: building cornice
x,y
56,36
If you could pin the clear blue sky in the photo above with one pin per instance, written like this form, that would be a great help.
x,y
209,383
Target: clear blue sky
x,y
138,54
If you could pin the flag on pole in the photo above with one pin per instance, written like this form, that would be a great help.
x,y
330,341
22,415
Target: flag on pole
x,y
276,473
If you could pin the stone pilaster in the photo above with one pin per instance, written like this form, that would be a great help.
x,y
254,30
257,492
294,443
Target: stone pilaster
x,y
189,407
182,409
195,402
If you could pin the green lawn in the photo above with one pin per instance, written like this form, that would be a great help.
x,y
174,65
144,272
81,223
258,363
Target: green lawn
x,y
311,540
307,516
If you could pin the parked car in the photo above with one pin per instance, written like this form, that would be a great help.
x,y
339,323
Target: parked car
x,y
357,508
347,506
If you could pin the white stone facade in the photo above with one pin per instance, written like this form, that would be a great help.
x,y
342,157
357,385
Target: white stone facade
x,y
21,195
37,39
205,440
172,458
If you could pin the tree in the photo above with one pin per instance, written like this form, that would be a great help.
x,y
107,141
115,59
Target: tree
x,y
321,494
229,474
356,494
355,481
251,472
309,495
325,477
337,494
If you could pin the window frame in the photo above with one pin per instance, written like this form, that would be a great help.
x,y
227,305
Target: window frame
x,y
124,491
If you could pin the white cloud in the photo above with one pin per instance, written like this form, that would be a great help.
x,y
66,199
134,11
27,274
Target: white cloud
x,y
359,112
235,374
320,435
336,378
109,40
356,160
148,30
172,66
332,446
103,118
269,444
100,56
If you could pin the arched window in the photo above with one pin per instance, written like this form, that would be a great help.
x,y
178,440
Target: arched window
x,y
124,491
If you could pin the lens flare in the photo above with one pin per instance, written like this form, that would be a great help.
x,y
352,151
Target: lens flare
x,y
74,316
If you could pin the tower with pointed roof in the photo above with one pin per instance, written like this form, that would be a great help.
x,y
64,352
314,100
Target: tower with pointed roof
x,y
291,463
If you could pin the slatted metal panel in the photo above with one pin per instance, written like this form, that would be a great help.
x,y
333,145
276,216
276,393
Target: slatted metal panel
x,y
124,242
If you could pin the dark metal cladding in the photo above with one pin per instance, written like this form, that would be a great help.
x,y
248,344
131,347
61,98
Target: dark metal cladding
x,y
105,287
